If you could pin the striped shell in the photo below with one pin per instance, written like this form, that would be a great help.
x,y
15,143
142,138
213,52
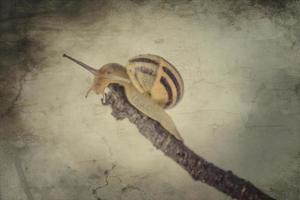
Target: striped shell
x,y
154,75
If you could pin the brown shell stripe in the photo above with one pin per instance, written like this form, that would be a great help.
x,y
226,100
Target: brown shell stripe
x,y
175,82
178,79
146,60
146,70
168,88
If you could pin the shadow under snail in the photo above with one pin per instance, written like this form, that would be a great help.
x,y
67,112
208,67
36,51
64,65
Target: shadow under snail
x,y
151,85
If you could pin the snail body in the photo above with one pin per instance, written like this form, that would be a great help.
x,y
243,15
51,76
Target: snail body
x,y
151,85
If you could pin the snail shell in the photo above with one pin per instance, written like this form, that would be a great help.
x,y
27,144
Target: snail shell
x,y
157,77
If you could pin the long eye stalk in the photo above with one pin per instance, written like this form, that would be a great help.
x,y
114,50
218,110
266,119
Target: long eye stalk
x,y
87,67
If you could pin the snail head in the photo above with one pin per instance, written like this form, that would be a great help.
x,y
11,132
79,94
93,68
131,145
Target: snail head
x,y
107,74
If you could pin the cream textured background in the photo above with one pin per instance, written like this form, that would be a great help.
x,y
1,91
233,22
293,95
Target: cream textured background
x,y
241,67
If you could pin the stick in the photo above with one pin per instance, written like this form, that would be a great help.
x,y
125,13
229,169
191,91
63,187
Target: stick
x,y
195,165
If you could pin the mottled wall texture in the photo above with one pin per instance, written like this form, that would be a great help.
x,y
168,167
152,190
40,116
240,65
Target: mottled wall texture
x,y
240,60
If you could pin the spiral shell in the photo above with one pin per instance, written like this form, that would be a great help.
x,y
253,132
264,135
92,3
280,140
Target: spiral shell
x,y
157,77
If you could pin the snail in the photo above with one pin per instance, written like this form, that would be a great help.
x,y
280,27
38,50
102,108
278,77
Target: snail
x,y
151,84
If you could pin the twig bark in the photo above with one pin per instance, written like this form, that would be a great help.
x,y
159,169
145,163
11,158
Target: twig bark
x,y
195,165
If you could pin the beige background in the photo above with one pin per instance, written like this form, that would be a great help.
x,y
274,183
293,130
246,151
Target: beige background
x,y
241,67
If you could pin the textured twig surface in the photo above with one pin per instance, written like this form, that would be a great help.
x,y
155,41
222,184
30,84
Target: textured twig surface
x,y
195,165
